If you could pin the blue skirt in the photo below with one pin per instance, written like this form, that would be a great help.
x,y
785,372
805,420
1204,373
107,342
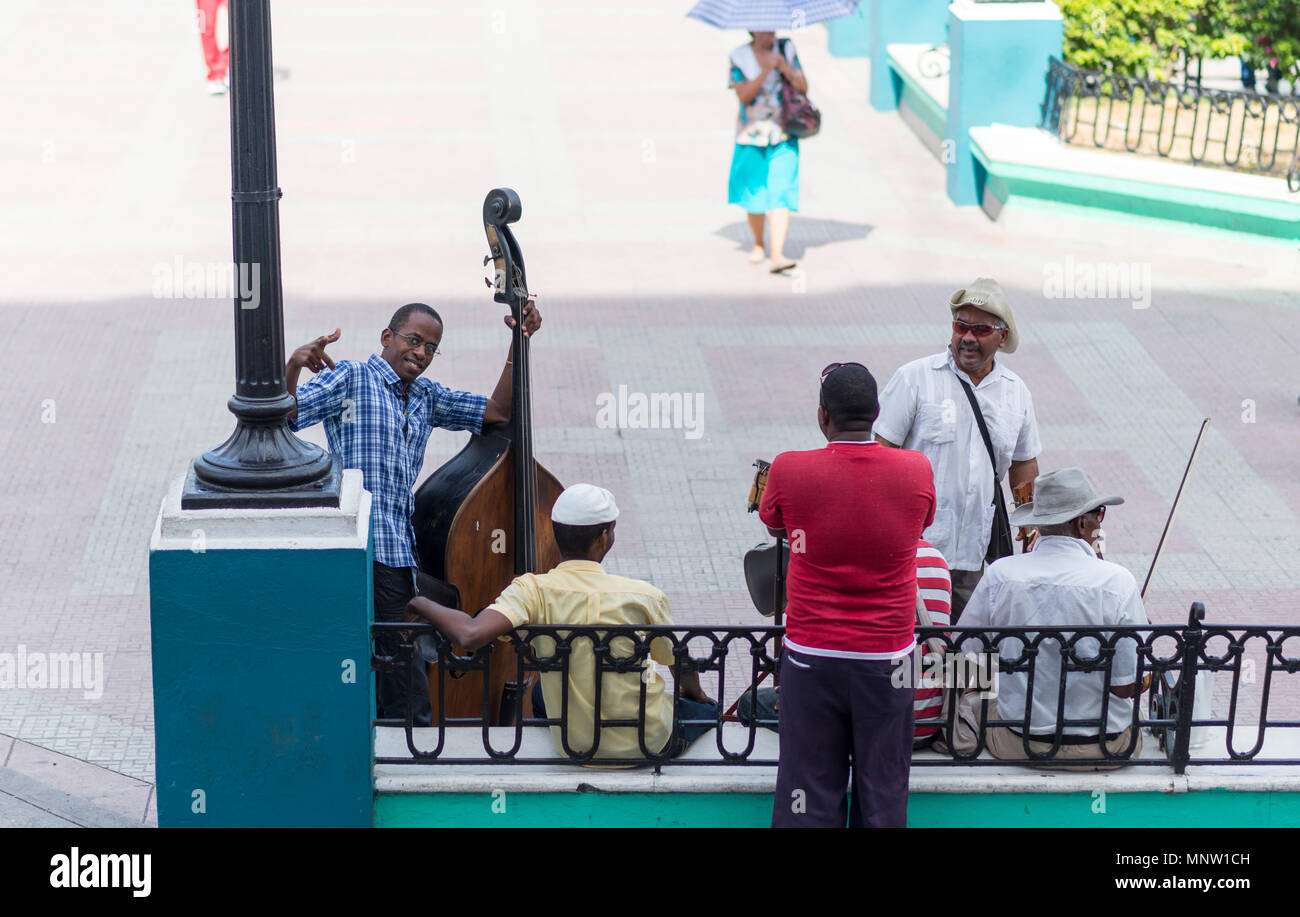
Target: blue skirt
x,y
765,178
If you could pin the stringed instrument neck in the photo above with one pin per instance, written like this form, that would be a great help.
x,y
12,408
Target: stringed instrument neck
x,y
526,560
483,518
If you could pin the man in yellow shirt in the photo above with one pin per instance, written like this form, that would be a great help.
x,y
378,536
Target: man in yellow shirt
x,y
578,592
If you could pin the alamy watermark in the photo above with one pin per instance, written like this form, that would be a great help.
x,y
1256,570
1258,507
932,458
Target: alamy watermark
x,y
53,671
1069,279
75,869
181,279
947,670
651,411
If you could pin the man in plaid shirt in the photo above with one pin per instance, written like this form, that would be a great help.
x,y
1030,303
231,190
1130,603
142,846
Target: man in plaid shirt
x,y
377,416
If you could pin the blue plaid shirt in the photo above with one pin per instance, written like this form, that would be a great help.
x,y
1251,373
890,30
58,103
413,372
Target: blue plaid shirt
x,y
371,426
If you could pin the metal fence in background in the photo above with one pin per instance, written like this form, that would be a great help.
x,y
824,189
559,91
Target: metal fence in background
x,y
1233,129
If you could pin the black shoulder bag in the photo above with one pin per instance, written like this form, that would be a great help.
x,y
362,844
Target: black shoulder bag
x,y
1000,543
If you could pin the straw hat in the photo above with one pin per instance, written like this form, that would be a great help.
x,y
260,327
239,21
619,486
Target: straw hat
x,y
1060,496
985,294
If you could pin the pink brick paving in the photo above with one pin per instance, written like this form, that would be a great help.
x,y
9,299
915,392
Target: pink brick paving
x,y
640,263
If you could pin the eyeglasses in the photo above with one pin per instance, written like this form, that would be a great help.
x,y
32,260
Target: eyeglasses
x,y
1100,512
834,366
981,330
430,349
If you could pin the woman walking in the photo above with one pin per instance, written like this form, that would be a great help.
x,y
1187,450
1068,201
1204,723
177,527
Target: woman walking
x,y
765,164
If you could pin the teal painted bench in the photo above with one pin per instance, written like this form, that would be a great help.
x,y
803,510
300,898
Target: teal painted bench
x,y
1031,167
922,100
563,795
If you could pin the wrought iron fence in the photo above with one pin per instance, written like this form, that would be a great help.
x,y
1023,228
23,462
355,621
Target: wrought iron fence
x,y
1233,129
1028,660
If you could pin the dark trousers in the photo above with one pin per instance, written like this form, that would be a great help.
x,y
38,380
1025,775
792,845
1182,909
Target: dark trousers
x,y
832,709
394,587
963,584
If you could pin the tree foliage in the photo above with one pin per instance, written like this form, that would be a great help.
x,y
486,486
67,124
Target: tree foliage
x,y
1273,30
1154,38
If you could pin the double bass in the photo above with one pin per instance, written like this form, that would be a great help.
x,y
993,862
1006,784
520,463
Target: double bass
x,y
483,518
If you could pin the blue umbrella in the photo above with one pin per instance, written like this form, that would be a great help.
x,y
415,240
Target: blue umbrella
x,y
770,15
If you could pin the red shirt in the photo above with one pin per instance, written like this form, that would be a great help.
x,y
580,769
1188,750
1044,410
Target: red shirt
x,y
854,513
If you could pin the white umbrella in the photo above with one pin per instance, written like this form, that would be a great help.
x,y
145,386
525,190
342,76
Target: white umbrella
x,y
770,15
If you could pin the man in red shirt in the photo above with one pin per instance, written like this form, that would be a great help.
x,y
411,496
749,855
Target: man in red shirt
x,y
853,513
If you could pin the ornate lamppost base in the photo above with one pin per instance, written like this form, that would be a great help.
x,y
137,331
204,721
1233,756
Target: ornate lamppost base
x,y
262,465
199,494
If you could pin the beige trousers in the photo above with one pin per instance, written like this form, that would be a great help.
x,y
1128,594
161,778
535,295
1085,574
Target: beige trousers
x,y
1004,744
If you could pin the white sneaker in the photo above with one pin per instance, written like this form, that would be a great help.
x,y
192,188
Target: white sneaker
x,y
216,88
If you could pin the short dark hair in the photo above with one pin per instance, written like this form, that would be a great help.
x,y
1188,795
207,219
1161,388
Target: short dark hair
x,y
849,397
401,315
576,540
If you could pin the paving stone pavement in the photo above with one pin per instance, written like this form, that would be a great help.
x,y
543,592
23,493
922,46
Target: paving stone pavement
x,y
614,125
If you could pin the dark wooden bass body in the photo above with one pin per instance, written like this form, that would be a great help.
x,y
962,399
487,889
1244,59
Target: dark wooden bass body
x,y
481,520
457,511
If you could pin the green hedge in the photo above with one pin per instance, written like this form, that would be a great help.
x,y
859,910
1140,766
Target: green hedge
x,y
1151,38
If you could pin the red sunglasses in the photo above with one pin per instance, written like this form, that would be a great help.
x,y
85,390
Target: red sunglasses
x,y
981,330
834,366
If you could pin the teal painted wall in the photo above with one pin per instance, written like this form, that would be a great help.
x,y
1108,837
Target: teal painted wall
x,y
573,810
1205,809
850,36
901,22
998,75
250,702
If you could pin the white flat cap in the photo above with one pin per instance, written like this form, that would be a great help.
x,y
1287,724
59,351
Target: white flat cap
x,y
584,504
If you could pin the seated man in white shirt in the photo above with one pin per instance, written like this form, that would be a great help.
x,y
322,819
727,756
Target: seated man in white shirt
x,y
1061,582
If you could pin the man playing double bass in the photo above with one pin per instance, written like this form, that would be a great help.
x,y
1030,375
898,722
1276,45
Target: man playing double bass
x,y
378,416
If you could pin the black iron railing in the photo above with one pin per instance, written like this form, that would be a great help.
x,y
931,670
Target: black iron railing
x,y
1233,129
1249,658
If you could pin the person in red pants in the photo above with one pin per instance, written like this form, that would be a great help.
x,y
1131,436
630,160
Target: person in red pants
x,y
216,58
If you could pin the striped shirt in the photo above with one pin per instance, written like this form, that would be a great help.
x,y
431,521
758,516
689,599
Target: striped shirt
x,y
935,583
372,424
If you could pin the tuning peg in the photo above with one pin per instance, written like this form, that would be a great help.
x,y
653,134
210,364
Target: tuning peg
x,y
487,259
487,282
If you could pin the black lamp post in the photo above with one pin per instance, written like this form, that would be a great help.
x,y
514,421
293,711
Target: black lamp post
x,y
262,464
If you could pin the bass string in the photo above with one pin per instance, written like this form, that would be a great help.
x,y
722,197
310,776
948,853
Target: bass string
x,y
528,537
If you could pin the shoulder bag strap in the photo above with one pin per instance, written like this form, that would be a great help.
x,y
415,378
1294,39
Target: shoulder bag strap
x,y
984,430
998,500
934,644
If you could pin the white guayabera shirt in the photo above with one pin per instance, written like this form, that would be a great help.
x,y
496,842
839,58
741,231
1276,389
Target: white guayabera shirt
x,y
1060,582
924,408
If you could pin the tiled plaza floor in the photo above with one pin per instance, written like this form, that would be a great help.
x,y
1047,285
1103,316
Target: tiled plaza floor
x,y
614,126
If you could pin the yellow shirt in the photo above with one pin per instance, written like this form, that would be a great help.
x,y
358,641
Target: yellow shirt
x,y
580,592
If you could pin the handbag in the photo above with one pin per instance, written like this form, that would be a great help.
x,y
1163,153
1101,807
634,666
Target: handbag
x,y
1000,542
799,117
963,736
